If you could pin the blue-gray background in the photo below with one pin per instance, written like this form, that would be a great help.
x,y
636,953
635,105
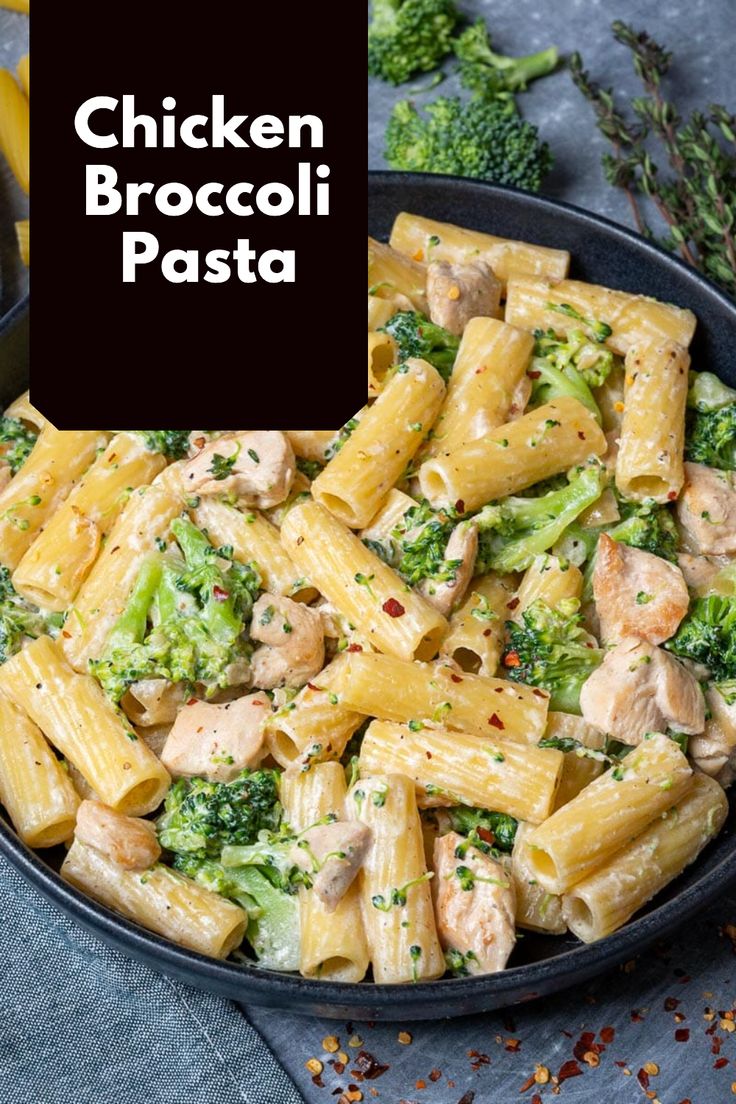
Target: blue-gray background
x,y
78,1023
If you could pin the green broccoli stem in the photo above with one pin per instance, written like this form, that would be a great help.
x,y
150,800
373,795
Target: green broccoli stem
x,y
549,382
195,547
130,628
520,71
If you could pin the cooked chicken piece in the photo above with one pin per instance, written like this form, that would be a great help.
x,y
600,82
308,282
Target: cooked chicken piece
x,y
293,641
217,741
638,689
332,854
714,750
256,467
153,701
458,292
462,546
475,905
706,510
637,593
129,841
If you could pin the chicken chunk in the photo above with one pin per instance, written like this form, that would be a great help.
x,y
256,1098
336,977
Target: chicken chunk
x,y
475,905
706,510
256,467
217,741
714,749
637,593
332,855
293,642
462,546
638,689
458,292
129,841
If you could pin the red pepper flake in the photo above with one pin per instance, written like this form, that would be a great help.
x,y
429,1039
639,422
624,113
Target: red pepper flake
x,y
568,1070
460,506
477,1059
531,1080
671,1003
715,1045
496,721
454,677
368,1067
66,635
534,374
486,632
607,1034
317,1080
672,495
581,435
682,1034
720,1063
435,1075
199,442
636,1016
584,1044
192,701
512,1045
311,686
393,608
643,1078
513,603
488,837
420,1084
354,648
512,659
540,694
467,1097
536,1099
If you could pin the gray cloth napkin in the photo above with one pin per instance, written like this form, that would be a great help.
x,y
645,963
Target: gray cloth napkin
x,y
80,1022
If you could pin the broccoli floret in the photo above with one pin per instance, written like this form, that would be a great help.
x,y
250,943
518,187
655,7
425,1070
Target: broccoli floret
x,y
708,636
201,818
409,36
515,530
347,430
16,442
484,139
551,649
599,331
646,525
416,336
550,382
18,618
710,437
488,74
173,443
185,619
483,828
590,360
310,468
421,539
707,392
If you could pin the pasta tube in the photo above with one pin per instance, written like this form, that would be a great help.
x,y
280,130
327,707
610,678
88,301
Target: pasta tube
x,y
491,363
380,310
390,272
587,831
633,319
536,910
360,475
542,443
381,359
252,537
159,899
609,896
550,580
34,787
315,724
105,592
23,234
394,690
396,902
451,768
14,128
311,444
427,240
582,764
54,567
56,463
475,640
74,714
333,944
23,409
650,455
363,588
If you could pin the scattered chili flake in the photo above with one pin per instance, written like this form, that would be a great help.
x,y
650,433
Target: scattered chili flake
x,y
534,374
314,1065
531,1080
536,1099
682,1034
511,659
454,677
477,1060
467,1097
607,1034
311,686
488,837
672,495
679,1017
219,594
419,255
581,435
66,635
618,407
567,1070
584,1044
355,648
496,721
339,1067
513,603
420,1084
405,1038
317,1081
636,1016
643,1078
460,506
393,608
539,693
331,1044
720,1063
670,1004
435,1075
367,1066
192,701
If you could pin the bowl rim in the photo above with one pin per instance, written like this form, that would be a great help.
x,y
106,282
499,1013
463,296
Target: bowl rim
x,y
458,996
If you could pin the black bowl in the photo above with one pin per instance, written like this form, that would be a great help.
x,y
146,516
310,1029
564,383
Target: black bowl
x,y
605,253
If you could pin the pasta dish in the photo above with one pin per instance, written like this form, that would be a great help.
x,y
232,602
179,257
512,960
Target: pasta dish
x,y
371,703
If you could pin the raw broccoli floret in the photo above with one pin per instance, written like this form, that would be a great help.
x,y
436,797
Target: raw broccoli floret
x,y
551,649
409,36
416,336
515,530
488,74
708,636
484,139
16,442
173,443
19,618
484,829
